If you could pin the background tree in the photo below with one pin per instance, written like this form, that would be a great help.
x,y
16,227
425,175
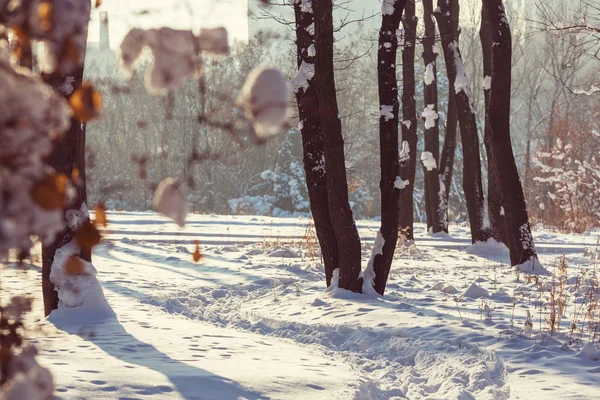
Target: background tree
x,y
408,163
337,187
447,12
391,183
522,249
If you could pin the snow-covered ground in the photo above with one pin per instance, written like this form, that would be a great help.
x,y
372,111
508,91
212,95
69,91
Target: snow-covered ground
x,y
254,320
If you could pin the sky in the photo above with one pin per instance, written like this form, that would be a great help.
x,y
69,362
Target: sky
x,y
182,14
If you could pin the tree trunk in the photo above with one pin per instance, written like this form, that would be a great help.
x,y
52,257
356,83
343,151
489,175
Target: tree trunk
x,y
447,158
388,144
518,230
433,194
446,13
495,211
409,123
335,169
313,148
68,154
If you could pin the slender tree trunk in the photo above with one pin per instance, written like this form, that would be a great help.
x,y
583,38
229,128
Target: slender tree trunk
x,y
313,148
449,149
388,144
433,194
447,158
446,12
495,210
340,212
409,123
518,230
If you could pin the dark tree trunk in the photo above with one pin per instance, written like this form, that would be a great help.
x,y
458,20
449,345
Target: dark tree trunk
x,y
518,230
447,158
337,186
446,13
449,150
409,123
495,213
313,149
68,154
434,197
388,144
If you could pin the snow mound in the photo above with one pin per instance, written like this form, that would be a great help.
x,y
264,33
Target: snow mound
x,y
284,254
81,299
489,248
475,292
590,351
533,267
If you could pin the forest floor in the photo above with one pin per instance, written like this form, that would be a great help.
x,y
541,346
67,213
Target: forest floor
x,y
253,319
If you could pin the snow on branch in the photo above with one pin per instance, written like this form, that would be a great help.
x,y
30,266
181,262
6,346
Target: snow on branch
x,y
175,54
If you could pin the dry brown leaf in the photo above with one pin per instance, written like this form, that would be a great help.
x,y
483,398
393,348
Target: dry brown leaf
x,y
86,102
74,266
87,236
50,192
197,255
101,215
98,3
45,15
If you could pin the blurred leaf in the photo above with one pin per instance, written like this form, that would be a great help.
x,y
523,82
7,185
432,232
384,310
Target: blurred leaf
x,y
87,236
197,255
50,192
86,102
74,266
98,3
45,15
101,215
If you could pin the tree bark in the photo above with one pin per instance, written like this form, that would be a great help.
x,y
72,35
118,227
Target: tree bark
x,y
518,229
68,154
388,143
433,195
447,158
409,123
313,148
340,212
446,13
494,201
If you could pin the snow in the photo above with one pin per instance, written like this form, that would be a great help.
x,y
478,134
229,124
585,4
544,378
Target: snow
x,y
475,292
264,98
429,77
428,161
400,183
312,51
430,116
461,83
369,272
487,82
243,324
387,7
387,112
301,80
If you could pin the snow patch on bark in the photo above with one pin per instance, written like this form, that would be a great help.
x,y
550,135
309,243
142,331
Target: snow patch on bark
x,y
428,161
369,273
400,183
387,7
429,77
301,80
430,116
487,82
387,112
